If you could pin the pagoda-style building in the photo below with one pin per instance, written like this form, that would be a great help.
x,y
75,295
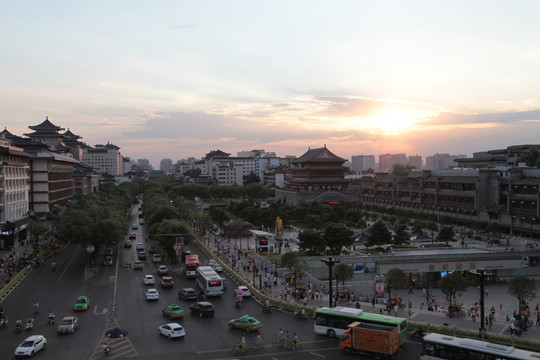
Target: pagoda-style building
x,y
47,133
318,170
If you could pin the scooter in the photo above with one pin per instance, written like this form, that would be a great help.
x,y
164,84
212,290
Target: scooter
x,y
238,304
4,322
29,326
51,318
53,266
303,316
106,349
18,327
267,308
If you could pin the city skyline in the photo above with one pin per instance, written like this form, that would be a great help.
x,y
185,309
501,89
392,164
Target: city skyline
x,y
178,79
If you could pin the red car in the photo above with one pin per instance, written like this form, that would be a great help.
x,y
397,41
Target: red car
x,y
132,236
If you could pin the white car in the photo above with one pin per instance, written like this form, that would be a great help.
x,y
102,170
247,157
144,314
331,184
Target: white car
x,y
245,291
140,246
217,267
162,270
30,346
149,280
152,294
212,262
172,330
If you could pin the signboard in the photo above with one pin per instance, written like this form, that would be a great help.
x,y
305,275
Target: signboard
x,y
179,240
90,249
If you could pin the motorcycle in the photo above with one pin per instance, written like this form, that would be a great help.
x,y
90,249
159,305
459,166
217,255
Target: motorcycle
x,y
106,349
53,266
238,304
18,327
51,318
267,308
29,326
300,315
4,322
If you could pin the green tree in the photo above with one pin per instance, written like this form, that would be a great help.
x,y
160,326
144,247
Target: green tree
x,y
396,278
379,235
311,241
530,157
251,178
452,284
337,236
343,272
300,268
289,260
401,236
522,288
446,234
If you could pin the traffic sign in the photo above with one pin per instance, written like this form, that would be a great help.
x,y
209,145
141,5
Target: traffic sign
x,y
90,249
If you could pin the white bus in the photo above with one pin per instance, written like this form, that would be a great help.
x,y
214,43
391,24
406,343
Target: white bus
x,y
442,347
209,282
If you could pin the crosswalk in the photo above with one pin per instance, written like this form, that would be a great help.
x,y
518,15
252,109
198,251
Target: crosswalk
x,y
121,347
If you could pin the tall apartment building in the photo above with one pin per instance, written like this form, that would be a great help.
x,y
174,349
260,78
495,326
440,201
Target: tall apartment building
x,y
362,162
166,165
106,159
416,161
441,161
387,161
144,163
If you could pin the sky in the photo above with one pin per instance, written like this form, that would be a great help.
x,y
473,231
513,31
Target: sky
x,y
178,79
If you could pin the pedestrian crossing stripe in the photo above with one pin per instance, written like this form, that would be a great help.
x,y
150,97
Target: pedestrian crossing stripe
x,y
121,348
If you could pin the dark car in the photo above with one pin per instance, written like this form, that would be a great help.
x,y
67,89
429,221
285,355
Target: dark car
x,y
183,256
167,282
187,294
141,255
203,308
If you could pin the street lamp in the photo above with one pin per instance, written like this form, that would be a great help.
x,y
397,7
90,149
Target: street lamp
x,y
480,273
330,263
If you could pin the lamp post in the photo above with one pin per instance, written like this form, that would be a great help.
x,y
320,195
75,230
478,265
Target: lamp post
x,y
480,273
330,263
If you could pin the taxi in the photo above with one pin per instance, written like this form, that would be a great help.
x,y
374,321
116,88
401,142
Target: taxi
x,y
138,265
173,312
245,322
107,261
81,304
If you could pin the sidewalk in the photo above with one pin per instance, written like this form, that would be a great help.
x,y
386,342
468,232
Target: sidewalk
x,y
497,296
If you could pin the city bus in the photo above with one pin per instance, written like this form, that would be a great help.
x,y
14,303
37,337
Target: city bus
x,y
335,321
209,282
192,263
263,240
439,347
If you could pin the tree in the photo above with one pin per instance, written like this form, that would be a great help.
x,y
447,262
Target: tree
x,y
289,260
531,157
311,241
300,268
396,278
446,234
523,288
338,236
379,235
401,236
251,178
343,272
452,284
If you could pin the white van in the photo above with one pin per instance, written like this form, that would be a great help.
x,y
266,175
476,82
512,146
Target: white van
x,y
156,258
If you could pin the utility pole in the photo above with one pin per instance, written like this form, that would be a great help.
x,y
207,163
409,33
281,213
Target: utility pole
x,y
330,263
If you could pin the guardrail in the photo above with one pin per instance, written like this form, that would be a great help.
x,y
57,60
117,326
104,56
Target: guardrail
x,y
8,288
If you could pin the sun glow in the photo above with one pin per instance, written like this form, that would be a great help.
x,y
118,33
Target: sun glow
x,y
392,123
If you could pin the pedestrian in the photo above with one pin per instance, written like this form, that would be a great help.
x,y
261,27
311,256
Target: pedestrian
x,y
537,319
410,313
500,307
486,292
373,302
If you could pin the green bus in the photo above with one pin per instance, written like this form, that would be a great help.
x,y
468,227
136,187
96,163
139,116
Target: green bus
x,y
334,321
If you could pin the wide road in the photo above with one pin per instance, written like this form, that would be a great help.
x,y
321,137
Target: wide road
x,y
207,338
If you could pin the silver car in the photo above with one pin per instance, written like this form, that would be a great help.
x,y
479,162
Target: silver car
x,y
68,325
30,346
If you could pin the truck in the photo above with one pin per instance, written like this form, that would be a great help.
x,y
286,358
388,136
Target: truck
x,y
374,340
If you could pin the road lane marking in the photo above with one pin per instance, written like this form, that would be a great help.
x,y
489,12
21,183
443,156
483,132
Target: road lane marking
x,y
315,354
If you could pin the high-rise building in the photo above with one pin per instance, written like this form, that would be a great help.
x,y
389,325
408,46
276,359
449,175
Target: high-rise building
x,y
387,161
166,166
441,161
363,162
416,161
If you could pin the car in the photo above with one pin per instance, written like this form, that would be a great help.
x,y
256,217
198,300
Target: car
x,y
183,256
107,261
152,294
217,267
141,255
244,291
245,323
137,265
152,250
82,303
162,270
173,312
68,325
187,294
172,330
141,221
202,308
127,244
149,280
30,346
108,252
212,262
135,226
156,258
139,247
167,282
132,236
